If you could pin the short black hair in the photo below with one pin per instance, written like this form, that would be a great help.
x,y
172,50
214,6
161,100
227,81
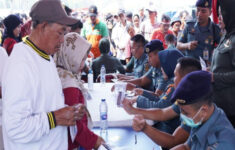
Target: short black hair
x,y
188,64
205,100
165,18
136,16
139,38
78,24
129,14
170,38
104,45
67,10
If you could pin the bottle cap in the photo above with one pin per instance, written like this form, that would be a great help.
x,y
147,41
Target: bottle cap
x,y
103,100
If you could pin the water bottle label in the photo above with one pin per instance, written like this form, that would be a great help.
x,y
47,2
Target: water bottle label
x,y
103,116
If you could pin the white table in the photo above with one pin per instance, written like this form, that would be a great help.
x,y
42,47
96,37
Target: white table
x,y
120,135
117,117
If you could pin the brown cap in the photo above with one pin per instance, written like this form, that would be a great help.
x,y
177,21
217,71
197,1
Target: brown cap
x,y
50,10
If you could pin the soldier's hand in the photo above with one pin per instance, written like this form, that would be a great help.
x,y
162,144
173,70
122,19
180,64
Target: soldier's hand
x,y
138,123
158,92
192,45
67,116
120,75
130,86
138,91
127,105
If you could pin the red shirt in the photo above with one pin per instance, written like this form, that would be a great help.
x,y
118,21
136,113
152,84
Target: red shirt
x,y
84,138
157,34
8,44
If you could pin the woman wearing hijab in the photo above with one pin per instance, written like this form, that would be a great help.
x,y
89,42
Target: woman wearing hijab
x,y
11,34
70,61
223,63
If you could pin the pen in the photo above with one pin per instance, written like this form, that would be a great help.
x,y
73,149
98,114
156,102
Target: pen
x,y
135,139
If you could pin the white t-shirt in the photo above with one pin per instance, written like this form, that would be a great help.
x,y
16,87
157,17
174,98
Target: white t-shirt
x,y
3,59
121,38
147,29
31,89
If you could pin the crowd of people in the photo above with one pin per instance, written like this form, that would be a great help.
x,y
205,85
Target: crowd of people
x,y
181,70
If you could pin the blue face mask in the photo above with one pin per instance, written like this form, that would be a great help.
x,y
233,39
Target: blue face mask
x,y
190,122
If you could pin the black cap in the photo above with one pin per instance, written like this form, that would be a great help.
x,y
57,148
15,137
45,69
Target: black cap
x,y
129,14
93,10
108,16
121,11
192,88
204,3
153,45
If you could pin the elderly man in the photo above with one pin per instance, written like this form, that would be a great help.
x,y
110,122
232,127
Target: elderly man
x,y
163,30
149,25
34,114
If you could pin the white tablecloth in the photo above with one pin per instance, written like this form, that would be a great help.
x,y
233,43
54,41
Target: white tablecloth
x,y
117,117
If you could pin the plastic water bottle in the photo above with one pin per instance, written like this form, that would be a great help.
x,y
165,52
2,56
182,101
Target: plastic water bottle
x,y
90,80
102,75
103,116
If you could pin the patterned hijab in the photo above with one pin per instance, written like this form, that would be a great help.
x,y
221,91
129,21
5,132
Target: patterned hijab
x,y
68,61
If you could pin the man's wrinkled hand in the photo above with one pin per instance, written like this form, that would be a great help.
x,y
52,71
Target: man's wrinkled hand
x,y
68,116
138,91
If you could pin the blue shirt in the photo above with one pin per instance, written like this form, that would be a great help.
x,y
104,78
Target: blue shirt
x,y
155,75
206,37
216,133
139,66
147,100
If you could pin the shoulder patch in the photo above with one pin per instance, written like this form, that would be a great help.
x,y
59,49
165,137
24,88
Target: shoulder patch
x,y
146,67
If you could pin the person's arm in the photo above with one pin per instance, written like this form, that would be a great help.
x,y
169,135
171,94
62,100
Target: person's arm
x,y
86,138
181,147
0,92
21,124
161,138
182,46
187,46
147,102
156,114
226,79
183,43
120,67
141,82
130,65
